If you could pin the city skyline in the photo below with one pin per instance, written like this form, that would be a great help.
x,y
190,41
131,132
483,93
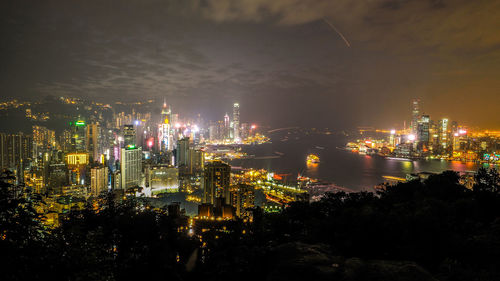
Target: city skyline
x,y
250,140
155,108
207,55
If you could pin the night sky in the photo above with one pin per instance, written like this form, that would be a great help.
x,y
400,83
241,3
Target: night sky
x,y
279,59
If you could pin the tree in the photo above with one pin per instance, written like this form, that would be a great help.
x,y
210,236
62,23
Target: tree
x,y
487,180
22,235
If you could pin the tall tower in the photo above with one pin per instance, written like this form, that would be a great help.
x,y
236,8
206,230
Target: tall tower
x,y
236,121
443,132
182,152
165,137
92,139
166,112
226,127
423,129
415,113
78,136
165,130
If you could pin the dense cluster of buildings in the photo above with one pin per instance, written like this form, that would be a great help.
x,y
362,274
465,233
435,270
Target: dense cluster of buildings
x,y
430,138
231,131
133,153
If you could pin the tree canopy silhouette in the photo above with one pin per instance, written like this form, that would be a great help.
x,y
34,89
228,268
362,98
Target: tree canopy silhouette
x,y
435,229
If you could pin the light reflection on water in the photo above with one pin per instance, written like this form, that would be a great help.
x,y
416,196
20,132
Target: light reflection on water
x,y
358,172
312,169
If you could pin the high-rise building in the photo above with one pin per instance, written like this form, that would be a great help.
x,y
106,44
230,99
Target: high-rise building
x,y
460,139
188,159
212,131
182,153
92,140
131,166
423,130
443,133
43,139
57,177
392,139
415,114
227,127
236,121
216,180
98,180
79,135
128,135
165,137
243,199
65,141
16,150
196,161
116,180
165,129
77,163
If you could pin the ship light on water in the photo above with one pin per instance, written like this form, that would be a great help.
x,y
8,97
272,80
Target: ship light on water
x,y
312,159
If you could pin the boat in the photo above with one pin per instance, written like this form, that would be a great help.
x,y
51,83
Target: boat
x,y
312,158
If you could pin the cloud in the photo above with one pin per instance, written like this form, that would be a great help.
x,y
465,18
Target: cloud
x,y
449,25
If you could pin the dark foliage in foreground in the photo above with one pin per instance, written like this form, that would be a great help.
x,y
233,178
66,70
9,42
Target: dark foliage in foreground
x,y
413,231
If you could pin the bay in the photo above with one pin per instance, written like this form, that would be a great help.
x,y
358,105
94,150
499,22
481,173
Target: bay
x,y
286,154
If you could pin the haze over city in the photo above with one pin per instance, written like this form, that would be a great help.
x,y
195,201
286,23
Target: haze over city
x,y
337,64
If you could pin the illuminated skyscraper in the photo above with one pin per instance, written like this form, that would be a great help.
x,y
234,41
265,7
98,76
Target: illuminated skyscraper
x,y
227,127
98,180
131,166
243,199
77,163
65,141
392,138
236,121
165,132
56,177
79,134
15,150
196,161
165,137
423,130
415,114
43,139
129,135
216,180
92,140
182,153
443,133
461,139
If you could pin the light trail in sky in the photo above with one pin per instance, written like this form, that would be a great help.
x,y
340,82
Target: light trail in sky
x,y
338,32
